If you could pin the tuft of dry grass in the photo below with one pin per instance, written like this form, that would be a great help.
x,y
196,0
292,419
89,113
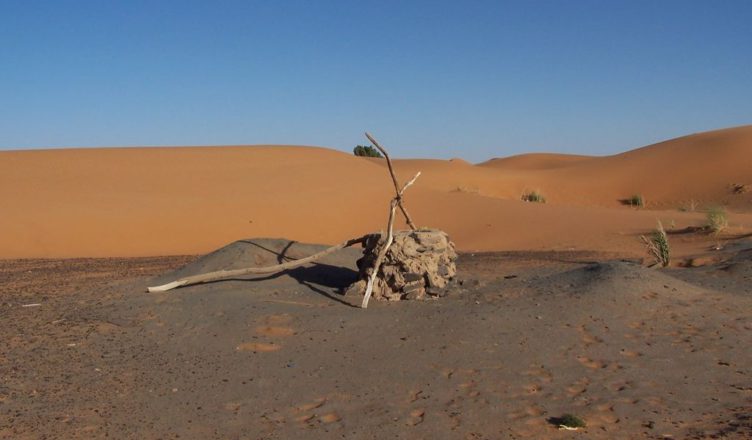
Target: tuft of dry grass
x,y
717,220
533,196
658,246
690,206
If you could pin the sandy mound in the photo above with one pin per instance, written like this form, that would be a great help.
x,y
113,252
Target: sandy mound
x,y
729,271
614,281
336,270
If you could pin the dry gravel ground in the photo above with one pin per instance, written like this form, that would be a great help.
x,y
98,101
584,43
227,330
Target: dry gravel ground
x,y
525,337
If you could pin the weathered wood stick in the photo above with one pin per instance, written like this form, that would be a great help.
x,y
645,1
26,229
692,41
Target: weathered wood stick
x,y
387,243
221,274
394,180
381,255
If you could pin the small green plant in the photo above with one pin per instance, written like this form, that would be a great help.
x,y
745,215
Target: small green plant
x,y
533,196
366,151
658,246
717,220
568,421
636,200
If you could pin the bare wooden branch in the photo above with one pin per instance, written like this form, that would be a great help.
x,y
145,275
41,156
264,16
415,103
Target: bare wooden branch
x,y
394,181
394,204
387,243
222,274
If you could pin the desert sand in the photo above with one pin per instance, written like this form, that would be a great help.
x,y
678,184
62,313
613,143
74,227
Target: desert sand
x,y
176,201
554,309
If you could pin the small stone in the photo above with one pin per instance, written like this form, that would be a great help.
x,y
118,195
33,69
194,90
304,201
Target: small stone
x,y
433,291
416,294
409,277
356,288
415,285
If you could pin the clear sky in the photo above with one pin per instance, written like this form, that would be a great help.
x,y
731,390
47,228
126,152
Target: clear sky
x,y
474,79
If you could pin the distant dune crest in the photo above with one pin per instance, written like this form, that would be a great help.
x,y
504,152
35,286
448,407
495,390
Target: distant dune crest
x,y
157,201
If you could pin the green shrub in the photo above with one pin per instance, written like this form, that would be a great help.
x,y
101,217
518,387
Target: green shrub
x,y
636,200
533,196
366,151
658,246
568,421
717,220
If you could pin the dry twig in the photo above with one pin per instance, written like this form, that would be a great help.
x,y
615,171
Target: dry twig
x,y
398,195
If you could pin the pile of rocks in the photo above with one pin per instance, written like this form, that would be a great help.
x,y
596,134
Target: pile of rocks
x,y
418,264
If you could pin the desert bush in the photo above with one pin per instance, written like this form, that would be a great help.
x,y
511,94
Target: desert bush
x,y
658,246
533,196
366,151
636,200
568,421
717,220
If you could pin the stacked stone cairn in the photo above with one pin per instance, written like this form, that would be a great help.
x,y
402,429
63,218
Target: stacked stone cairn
x,y
419,264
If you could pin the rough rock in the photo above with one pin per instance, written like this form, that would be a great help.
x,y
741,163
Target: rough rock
x,y
418,264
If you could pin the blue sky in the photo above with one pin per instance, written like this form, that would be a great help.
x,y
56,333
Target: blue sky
x,y
472,79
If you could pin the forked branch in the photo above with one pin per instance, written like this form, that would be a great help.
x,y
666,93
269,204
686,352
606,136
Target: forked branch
x,y
398,193
387,243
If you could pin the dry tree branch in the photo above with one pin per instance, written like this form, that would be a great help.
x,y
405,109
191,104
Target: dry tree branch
x,y
221,274
394,180
388,242
396,202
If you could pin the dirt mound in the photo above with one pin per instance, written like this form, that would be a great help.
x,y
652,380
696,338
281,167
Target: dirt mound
x,y
729,271
338,269
614,283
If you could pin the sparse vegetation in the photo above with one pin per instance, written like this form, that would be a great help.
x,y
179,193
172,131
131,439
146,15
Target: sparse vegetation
x,y
690,206
636,200
717,220
568,421
366,151
533,196
658,246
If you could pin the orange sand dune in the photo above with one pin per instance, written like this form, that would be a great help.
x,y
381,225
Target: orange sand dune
x,y
160,201
669,175
534,161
